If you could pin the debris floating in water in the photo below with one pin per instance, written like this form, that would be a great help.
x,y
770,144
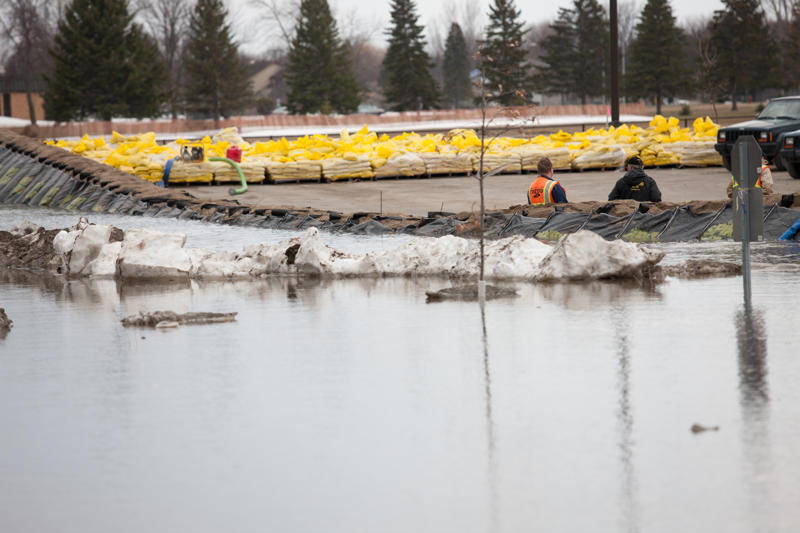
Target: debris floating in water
x,y
699,268
5,323
697,428
171,319
468,293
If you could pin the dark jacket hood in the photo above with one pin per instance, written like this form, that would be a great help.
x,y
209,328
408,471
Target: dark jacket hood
x,y
633,176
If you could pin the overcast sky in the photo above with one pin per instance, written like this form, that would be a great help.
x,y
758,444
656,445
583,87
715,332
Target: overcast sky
x,y
373,15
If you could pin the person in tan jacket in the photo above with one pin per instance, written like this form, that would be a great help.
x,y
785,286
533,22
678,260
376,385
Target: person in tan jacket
x,y
764,181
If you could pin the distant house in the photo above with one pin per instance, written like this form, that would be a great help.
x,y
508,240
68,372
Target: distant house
x,y
14,100
267,82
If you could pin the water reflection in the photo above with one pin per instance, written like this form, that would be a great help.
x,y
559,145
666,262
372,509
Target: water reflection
x,y
291,291
751,342
586,295
42,280
492,472
327,395
624,415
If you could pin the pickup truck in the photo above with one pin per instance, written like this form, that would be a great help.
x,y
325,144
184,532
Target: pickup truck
x,y
779,117
790,153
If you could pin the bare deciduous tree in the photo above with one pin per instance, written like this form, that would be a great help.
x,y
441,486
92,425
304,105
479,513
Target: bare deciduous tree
x,y
28,26
467,14
780,14
359,35
487,119
778,10
627,13
167,21
280,15
697,31
537,33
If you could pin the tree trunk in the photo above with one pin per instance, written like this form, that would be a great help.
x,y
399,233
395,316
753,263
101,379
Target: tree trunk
x,y
658,101
481,177
31,107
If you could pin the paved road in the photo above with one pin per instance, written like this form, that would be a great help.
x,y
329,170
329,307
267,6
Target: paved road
x,y
418,196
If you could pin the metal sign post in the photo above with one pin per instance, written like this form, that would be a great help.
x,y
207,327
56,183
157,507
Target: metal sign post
x,y
748,201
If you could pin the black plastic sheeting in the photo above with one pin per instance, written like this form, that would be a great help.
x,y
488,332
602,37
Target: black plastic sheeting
x,y
685,225
648,224
518,224
777,220
559,223
437,227
24,180
607,226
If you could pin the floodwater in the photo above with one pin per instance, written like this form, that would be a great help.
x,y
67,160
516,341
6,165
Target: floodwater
x,y
352,405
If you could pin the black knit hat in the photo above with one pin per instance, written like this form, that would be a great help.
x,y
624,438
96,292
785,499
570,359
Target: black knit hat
x,y
634,161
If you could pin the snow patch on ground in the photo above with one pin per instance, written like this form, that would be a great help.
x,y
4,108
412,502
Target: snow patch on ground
x,y
389,127
11,122
424,126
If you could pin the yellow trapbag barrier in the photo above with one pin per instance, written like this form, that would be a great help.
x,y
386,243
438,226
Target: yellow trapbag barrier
x,y
364,155
285,171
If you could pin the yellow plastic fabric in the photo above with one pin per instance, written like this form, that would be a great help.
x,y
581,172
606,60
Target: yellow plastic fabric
x,y
364,155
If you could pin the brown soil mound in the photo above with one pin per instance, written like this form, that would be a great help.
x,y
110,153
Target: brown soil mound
x,y
32,250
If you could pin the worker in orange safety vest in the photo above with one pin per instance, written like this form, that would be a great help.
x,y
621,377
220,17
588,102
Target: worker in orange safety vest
x,y
545,190
763,182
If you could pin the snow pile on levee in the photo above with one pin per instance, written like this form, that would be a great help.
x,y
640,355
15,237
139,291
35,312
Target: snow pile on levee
x,y
97,251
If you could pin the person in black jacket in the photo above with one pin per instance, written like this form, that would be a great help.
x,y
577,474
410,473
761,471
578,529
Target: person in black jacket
x,y
635,184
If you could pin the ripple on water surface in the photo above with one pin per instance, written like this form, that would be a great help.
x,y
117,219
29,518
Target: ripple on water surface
x,y
332,405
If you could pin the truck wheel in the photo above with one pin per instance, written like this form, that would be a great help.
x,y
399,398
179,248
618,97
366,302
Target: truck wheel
x,y
726,161
794,170
780,164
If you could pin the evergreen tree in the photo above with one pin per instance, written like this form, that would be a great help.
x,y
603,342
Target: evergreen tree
x,y
791,62
657,64
143,51
24,24
456,67
405,71
557,56
576,56
319,73
168,20
216,83
104,66
503,59
739,37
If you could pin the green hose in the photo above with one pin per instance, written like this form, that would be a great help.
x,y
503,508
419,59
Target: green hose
x,y
234,164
